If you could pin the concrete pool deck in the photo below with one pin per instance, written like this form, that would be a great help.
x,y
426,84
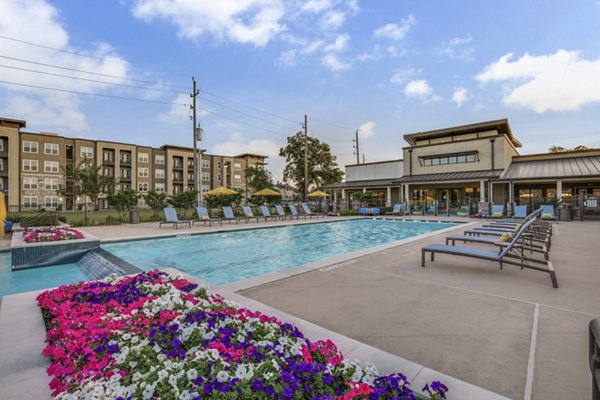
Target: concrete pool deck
x,y
507,331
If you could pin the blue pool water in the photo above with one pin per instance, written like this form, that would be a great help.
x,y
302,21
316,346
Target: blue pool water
x,y
36,278
225,257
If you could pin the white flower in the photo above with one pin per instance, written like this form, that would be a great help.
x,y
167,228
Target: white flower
x,y
192,374
173,381
162,374
222,376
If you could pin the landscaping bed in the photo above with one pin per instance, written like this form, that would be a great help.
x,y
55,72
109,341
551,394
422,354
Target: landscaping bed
x,y
51,234
153,336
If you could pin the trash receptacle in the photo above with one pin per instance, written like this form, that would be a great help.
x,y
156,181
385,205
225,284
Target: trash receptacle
x,y
565,214
134,217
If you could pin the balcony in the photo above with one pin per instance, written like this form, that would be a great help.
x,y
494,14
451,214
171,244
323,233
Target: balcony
x,y
125,161
178,167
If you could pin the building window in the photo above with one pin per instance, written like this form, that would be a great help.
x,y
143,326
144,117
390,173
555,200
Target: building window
x,y
125,173
30,147
108,156
450,159
30,165
51,184
159,187
218,164
1,164
206,176
219,177
142,187
125,186
51,166
51,201
237,178
159,173
30,201
87,152
125,158
143,172
205,188
51,149
159,159
30,183
205,164
1,144
237,166
143,157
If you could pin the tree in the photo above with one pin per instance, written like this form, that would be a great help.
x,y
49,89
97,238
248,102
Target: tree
x,y
123,200
156,201
363,197
184,200
89,182
258,178
322,166
560,149
215,201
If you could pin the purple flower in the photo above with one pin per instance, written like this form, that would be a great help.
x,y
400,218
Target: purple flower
x,y
288,393
257,385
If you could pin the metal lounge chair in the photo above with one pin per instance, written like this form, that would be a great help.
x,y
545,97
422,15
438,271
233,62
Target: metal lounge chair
x,y
294,212
510,254
248,213
267,214
204,217
548,212
308,212
520,212
497,211
281,212
527,241
229,216
171,218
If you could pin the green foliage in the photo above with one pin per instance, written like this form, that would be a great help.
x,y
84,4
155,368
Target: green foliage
x,y
216,201
322,166
156,201
258,178
43,219
123,200
344,213
184,200
258,200
110,220
560,149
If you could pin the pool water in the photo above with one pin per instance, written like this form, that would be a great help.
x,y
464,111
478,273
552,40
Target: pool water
x,y
26,280
225,257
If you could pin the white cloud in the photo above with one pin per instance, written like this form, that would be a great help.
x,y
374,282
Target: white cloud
x,y
178,113
367,130
556,82
399,76
316,5
333,19
421,90
373,55
395,31
55,110
339,45
459,96
332,62
253,22
458,48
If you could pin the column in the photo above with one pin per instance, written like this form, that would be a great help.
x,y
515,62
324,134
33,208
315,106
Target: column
x,y
335,200
344,202
483,208
559,190
388,197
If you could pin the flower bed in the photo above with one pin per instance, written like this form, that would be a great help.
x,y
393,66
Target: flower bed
x,y
154,336
51,234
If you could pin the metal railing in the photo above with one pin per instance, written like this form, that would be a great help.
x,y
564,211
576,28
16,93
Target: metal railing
x,y
595,357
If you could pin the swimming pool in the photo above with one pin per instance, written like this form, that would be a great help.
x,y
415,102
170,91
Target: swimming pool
x,y
225,257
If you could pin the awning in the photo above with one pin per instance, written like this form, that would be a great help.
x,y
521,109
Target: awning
x,y
450,176
557,168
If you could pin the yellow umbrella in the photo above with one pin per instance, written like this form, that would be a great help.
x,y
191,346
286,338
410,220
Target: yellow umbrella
x,y
220,191
267,192
2,214
318,193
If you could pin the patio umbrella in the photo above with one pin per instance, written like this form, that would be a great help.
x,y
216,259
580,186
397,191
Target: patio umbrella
x,y
267,192
318,193
2,214
220,191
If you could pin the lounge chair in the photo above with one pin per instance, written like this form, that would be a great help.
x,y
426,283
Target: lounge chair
x,y
267,214
294,212
171,218
497,211
520,212
463,211
398,209
203,216
527,241
229,216
248,213
548,212
308,212
281,213
510,254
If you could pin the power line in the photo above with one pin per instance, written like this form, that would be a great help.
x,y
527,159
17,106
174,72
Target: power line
x,y
243,123
94,94
91,80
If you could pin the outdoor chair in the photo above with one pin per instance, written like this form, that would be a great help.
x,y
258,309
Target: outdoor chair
x,y
527,242
511,254
294,212
463,211
548,212
171,218
308,212
520,212
497,211
398,209
248,213
267,214
203,216
229,216
281,212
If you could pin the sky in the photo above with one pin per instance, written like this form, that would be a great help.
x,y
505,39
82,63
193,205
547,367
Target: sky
x,y
121,70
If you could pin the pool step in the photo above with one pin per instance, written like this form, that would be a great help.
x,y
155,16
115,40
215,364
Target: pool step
x,y
98,264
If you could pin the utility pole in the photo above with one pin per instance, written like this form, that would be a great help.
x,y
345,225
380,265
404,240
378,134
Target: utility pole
x,y
364,158
195,138
305,157
357,148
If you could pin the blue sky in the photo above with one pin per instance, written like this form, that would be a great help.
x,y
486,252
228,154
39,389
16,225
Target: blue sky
x,y
387,68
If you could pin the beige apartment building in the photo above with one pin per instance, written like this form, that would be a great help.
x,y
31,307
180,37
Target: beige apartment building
x,y
32,167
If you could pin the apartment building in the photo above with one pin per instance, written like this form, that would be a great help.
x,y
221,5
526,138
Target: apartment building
x,y
33,165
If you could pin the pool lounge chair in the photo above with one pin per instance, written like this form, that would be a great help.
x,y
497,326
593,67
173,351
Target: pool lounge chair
x,y
248,213
203,216
463,211
510,254
527,242
308,212
399,210
520,212
497,211
281,213
229,216
294,212
171,218
267,214
548,212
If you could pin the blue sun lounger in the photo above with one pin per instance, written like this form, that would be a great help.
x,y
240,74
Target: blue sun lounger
x,y
308,212
171,218
267,214
203,216
281,212
294,212
229,216
248,213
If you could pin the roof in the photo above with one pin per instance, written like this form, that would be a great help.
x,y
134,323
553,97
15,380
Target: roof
x,y
10,121
500,125
374,162
451,176
360,184
554,168
250,155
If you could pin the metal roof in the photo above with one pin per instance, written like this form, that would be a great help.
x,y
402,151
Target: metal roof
x,y
450,176
360,184
574,167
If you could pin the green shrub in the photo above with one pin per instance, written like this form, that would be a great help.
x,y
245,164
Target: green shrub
x,y
62,218
79,222
112,220
344,213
